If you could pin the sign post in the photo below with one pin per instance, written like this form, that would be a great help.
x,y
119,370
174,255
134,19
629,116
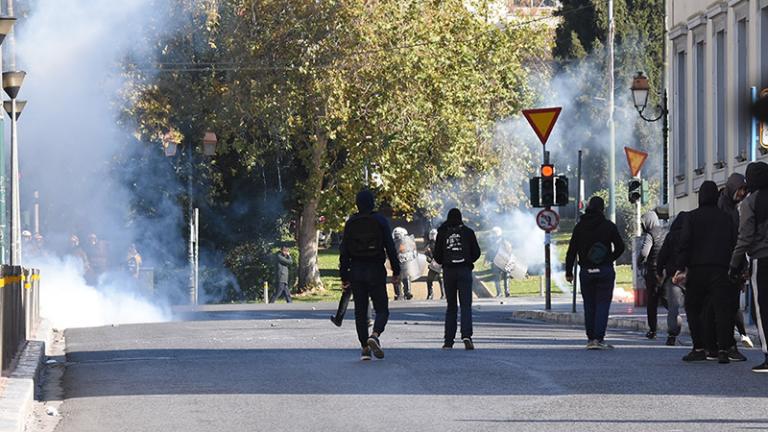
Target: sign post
x,y
543,121
635,160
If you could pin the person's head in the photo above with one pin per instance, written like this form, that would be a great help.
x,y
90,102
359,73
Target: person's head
x,y
74,240
433,234
93,239
399,233
650,220
596,205
496,231
736,187
26,235
284,250
708,194
132,249
365,201
757,176
454,217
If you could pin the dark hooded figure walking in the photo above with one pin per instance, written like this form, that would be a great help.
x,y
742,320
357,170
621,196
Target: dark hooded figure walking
x,y
366,244
733,193
456,249
706,243
653,239
597,243
753,240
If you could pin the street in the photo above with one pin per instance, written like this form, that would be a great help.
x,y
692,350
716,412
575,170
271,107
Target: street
x,y
287,368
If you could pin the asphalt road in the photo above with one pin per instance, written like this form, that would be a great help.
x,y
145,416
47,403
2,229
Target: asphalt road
x,y
288,369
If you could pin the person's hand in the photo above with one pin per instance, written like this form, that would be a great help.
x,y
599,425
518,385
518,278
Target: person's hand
x,y
345,285
734,275
569,278
396,279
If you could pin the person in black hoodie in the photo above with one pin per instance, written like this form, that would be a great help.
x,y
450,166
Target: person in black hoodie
x,y
665,269
365,246
456,249
706,243
733,193
597,243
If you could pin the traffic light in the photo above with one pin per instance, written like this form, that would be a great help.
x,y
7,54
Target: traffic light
x,y
561,190
635,190
547,185
535,183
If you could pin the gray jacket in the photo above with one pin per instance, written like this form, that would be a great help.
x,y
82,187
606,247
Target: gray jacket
x,y
753,237
283,267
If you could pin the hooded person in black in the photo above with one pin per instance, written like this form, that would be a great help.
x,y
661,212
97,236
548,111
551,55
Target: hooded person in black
x,y
597,244
666,265
705,247
365,246
456,249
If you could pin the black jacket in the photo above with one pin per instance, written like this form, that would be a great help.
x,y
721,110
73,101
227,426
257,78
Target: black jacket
x,y
708,235
468,238
666,261
593,228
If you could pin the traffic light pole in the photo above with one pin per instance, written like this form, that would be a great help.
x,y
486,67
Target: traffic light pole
x,y
547,256
639,209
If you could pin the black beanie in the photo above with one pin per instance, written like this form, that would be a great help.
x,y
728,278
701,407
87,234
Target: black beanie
x,y
596,204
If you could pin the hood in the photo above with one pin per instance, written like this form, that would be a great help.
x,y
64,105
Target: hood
x,y
708,194
591,218
735,182
677,224
650,220
757,176
596,204
454,217
365,201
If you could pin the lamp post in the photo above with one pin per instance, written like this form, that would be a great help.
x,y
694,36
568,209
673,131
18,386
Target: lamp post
x,y
6,26
12,84
640,90
170,145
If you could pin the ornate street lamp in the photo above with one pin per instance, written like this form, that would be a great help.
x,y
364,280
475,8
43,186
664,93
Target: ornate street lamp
x,y
640,90
12,82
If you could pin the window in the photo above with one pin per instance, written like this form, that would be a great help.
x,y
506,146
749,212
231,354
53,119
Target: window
x,y
700,95
681,121
743,125
719,135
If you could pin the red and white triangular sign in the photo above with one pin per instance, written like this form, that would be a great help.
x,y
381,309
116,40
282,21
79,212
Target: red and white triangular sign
x,y
635,160
542,121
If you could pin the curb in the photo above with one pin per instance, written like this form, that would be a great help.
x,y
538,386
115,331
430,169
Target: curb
x,y
577,319
19,393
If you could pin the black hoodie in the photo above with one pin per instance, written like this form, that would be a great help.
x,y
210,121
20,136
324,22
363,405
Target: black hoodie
x,y
708,235
470,248
726,202
593,228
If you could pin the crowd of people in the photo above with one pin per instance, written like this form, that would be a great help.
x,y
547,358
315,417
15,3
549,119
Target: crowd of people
x,y
96,258
702,263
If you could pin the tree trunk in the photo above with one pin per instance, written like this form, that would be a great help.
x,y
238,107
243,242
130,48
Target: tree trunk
x,y
309,274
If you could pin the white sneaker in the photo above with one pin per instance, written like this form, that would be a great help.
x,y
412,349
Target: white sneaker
x,y
747,342
592,345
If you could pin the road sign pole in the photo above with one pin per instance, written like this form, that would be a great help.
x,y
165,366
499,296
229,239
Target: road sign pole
x,y
639,209
547,270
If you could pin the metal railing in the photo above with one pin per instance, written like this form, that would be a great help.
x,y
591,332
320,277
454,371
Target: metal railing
x,y
20,309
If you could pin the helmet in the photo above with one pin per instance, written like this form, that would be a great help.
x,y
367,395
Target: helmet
x,y
399,233
433,234
26,233
496,231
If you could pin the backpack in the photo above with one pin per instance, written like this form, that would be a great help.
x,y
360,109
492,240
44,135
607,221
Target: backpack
x,y
363,237
453,251
598,253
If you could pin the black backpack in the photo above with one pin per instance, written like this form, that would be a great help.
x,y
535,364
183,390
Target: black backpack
x,y
453,251
363,237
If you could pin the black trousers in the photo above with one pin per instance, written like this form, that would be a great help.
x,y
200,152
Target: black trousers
x,y
655,295
760,292
711,307
458,284
369,281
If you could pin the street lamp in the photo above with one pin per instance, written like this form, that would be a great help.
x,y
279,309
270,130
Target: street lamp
x,y
6,25
8,106
12,84
640,90
170,143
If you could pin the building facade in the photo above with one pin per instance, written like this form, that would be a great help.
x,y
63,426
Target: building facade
x,y
717,58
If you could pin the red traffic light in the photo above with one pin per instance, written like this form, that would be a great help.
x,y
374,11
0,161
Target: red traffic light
x,y
547,170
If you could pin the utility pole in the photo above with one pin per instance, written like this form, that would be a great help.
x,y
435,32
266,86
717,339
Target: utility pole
x,y
611,109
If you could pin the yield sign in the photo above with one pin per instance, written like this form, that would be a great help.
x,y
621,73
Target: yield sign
x,y
635,160
542,121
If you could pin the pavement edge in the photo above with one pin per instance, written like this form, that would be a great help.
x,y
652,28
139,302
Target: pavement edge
x,y
17,397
